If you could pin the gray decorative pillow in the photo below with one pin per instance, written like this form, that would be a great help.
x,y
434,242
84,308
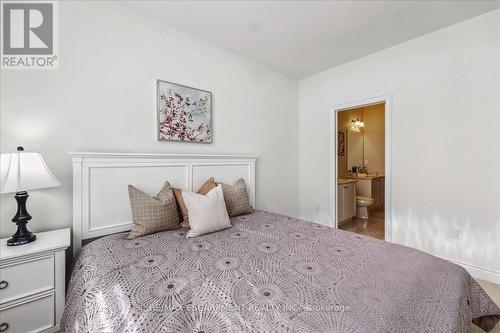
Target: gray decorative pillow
x,y
236,198
151,215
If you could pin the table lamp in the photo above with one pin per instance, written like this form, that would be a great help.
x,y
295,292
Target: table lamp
x,y
22,171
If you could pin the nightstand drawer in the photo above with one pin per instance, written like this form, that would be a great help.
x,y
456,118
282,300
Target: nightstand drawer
x,y
26,278
33,316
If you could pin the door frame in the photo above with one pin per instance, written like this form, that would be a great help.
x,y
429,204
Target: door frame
x,y
387,99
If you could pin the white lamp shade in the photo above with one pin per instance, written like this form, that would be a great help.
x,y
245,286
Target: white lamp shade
x,y
22,171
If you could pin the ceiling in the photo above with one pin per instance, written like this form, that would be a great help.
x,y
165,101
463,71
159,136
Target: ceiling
x,y
300,38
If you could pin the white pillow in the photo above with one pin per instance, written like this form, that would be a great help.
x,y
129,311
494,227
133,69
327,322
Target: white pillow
x,y
207,213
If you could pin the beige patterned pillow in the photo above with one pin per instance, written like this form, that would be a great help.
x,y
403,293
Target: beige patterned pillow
x,y
207,213
204,189
151,215
236,198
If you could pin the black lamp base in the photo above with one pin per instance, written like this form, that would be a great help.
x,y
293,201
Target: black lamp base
x,y
22,235
14,241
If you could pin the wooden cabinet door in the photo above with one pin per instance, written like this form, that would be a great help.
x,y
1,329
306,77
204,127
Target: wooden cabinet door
x,y
350,200
340,203
375,192
381,191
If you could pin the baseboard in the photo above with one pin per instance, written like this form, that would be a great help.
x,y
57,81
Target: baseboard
x,y
344,222
55,329
480,273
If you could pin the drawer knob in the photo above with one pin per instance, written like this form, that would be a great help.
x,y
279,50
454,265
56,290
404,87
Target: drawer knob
x,y
3,284
4,327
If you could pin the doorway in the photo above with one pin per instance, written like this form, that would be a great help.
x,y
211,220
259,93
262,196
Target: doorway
x,y
360,169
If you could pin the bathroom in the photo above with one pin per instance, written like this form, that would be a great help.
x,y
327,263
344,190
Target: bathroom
x,y
361,170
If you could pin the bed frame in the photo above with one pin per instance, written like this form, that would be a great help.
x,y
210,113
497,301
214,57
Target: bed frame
x,y
100,197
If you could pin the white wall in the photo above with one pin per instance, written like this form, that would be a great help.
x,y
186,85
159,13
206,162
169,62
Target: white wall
x,y
102,98
446,137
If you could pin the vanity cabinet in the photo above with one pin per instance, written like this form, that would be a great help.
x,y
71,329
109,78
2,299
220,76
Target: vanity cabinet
x,y
346,199
379,191
374,188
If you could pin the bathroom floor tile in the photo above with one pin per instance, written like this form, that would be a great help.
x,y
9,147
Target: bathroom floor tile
x,y
373,227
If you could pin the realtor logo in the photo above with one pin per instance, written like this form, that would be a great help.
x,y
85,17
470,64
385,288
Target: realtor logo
x,y
29,35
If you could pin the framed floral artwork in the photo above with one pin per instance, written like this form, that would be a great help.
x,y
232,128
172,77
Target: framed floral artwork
x,y
184,113
341,143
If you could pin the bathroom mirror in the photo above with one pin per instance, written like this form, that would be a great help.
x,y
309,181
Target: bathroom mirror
x,y
364,132
354,151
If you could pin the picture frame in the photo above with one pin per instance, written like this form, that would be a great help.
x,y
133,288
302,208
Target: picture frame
x,y
183,113
341,143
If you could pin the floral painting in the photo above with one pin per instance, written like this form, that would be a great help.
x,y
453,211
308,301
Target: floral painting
x,y
341,143
183,113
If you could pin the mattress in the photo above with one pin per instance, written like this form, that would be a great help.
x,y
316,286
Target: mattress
x,y
268,273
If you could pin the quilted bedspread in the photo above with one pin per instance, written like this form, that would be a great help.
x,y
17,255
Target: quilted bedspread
x,y
269,273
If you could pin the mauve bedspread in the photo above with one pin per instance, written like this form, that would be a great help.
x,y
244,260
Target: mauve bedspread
x,y
269,273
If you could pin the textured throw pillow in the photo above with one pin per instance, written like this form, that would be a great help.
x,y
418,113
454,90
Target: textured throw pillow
x,y
204,189
151,215
236,198
207,213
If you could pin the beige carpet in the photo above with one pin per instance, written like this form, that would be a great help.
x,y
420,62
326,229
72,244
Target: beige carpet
x,y
494,291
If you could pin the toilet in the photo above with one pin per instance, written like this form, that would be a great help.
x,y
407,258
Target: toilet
x,y
362,204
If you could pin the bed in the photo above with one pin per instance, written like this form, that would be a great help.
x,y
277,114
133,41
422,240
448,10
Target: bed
x,y
268,272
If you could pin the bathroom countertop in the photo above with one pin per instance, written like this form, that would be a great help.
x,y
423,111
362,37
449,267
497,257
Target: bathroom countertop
x,y
346,181
366,177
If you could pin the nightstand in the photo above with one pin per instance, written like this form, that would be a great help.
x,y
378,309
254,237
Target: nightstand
x,y
32,283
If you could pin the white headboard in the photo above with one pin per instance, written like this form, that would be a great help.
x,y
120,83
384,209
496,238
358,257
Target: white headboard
x,y
100,197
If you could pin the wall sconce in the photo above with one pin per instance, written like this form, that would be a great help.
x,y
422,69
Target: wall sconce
x,y
357,124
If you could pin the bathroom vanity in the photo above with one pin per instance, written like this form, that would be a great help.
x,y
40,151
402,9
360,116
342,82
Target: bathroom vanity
x,y
346,199
371,186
